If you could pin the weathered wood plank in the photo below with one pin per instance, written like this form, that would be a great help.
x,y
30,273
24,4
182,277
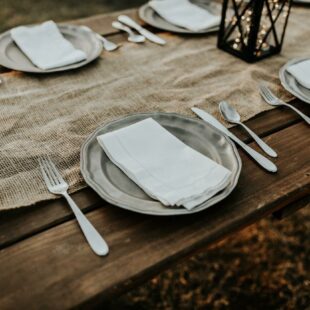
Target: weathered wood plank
x,y
58,270
292,208
21,223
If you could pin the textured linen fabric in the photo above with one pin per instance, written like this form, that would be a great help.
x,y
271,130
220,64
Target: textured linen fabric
x,y
53,114
185,14
45,46
301,72
162,165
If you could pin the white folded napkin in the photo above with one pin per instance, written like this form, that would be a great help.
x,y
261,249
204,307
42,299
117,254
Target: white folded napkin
x,y
45,46
163,166
301,72
185,14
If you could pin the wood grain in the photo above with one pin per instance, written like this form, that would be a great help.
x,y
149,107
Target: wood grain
x,y
56,268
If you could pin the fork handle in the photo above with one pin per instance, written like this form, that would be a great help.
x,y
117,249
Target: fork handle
x,y
120,26
96,242
305,117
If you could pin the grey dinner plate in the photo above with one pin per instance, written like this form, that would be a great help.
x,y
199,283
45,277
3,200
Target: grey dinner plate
x,y
290,83
116,188
13,58
148,15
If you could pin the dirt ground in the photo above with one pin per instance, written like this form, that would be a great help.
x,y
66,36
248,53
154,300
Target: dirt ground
x,y
266,266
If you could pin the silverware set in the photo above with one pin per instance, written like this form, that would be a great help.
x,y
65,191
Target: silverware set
x,y
136,33
260,159
107,45
126,20
132,37
232,116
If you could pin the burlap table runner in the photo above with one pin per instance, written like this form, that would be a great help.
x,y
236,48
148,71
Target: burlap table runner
x,y
54,114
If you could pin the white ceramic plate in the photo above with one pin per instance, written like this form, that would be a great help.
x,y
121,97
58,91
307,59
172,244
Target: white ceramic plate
x,y
13,58
116,188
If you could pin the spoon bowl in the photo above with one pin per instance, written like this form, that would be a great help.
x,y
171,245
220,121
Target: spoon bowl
x,y
136,38
107,45
229,113
232,116
132,37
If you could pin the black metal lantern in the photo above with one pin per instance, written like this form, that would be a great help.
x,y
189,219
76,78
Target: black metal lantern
x,y
253,29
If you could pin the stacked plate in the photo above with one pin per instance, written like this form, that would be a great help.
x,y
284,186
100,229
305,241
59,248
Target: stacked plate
x,y
290,83
13,58
117,188
149,16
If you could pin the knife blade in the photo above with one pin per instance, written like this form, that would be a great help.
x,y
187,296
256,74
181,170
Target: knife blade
x,y
260,159
147,34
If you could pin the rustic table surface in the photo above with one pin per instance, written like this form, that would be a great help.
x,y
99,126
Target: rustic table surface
x,y
46,263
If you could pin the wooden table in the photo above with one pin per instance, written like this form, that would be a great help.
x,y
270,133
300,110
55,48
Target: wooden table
x,y
47,264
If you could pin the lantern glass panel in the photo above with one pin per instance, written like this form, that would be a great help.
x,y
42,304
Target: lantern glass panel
x,y
253,29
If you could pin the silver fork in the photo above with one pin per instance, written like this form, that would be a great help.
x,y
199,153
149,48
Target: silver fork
x,y
57,185
272,99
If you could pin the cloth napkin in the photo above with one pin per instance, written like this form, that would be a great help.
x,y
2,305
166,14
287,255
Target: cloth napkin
x,y
185,14
45,46
163,166
301,72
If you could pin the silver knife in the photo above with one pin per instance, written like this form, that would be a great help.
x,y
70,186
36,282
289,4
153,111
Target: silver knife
x,y
147,34
260,159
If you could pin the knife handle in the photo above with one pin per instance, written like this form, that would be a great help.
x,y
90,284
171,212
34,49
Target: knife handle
x,y
129,22
260,159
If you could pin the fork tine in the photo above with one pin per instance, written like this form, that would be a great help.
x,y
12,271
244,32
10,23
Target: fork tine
x,y
55,171
46,177
50,170
265,92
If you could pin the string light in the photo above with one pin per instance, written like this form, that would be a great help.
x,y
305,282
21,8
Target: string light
x,y
246,25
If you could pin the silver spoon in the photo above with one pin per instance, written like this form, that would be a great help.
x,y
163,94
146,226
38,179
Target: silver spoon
x,y
232,116
135,38
107,45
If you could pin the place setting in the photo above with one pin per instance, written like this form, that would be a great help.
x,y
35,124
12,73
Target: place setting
x,y
159,162
51,47
48,47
